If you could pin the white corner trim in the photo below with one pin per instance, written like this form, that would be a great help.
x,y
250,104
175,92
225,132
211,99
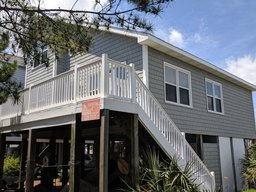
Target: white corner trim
x,y
26,73
145,64
54,67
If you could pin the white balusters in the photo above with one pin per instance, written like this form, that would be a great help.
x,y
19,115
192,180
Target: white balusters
x,y
166,126
89,81
120,80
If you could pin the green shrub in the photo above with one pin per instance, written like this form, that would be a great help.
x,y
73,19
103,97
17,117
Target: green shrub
x,y
249,190
165,176
11,165
249,166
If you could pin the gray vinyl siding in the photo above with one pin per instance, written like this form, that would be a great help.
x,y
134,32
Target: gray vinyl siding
x,y
63,63
118,47
19,75
212,160
238,120
41,72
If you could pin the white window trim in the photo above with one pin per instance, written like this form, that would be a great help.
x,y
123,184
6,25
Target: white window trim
x,y
178,85
214,102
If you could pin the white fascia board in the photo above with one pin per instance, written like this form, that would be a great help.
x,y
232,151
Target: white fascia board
x,y
123,32
167,48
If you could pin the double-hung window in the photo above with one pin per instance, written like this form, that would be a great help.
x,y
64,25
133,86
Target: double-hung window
x,y
41,55
214,96
177,85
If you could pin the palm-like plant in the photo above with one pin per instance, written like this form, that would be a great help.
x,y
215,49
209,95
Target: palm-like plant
x,y
167,176
249,166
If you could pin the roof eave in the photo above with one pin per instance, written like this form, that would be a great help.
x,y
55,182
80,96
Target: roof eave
x,y
173,51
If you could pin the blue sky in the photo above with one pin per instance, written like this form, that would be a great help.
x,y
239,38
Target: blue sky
x,y
222,32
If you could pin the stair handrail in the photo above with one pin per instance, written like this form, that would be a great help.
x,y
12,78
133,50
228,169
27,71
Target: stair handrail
x,y
187,145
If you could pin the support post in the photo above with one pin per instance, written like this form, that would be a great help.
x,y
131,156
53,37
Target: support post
x,y
31,156
75,158
2,154
104,147
24,151
82,148
65,162
104,83
52,170
134,174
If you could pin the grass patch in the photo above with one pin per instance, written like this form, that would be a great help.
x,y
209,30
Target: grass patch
x,y
249,190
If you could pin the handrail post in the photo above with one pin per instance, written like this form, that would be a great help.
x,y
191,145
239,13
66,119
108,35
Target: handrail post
x,y
75,83
29,97
213,179
133,83
53,90
104,82
183,146
0,113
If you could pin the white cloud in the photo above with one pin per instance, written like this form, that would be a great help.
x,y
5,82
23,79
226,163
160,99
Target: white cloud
x,y
186,41
243,67
197,38
176,38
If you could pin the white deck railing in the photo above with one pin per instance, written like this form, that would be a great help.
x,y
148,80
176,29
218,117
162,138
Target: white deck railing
x,y
110,79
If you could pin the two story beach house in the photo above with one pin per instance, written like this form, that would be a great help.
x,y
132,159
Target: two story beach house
x,y
129,90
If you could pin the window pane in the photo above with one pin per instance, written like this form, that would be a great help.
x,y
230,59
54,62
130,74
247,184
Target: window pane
x,y
183,80
171,94
170,75
184,96
210,103
209,88
218,105
217,91
37,60
44,56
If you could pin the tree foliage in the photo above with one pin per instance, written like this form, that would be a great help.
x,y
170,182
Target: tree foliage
x,y
26,27
30,25
8,87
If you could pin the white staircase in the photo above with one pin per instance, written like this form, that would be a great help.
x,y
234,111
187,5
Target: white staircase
x,y
106,78
168,136
125,84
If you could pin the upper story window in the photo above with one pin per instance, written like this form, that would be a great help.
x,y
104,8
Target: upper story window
x,y
214,96
41,55
177,85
